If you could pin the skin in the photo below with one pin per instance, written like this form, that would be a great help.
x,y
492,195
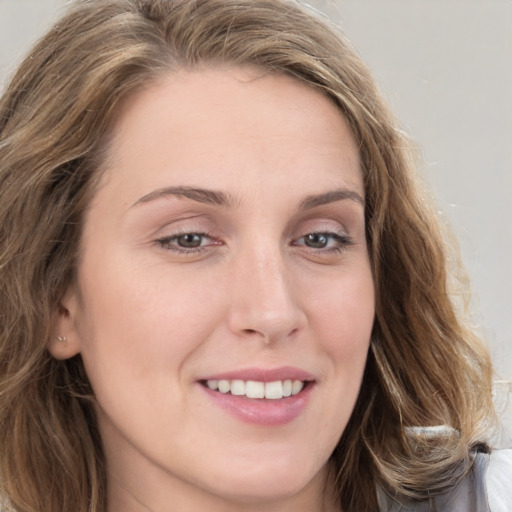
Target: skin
x,y
151,317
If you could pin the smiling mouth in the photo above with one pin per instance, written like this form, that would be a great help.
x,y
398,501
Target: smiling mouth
x,y
275,390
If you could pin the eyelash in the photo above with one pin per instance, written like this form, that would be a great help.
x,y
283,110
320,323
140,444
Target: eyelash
x,y
165,243
342,242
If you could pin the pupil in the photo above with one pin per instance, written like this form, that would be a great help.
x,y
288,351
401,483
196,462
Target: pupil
x,y
190,240
316,240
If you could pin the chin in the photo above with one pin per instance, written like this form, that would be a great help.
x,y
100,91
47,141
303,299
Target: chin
x,y
274,481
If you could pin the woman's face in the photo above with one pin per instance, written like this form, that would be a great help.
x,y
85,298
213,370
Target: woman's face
x,y
223,260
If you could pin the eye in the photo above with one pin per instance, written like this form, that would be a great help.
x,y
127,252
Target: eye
x,y
316,240
186,242
190,240
325,241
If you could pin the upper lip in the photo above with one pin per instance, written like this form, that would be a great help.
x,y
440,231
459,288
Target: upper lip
x,y
263,374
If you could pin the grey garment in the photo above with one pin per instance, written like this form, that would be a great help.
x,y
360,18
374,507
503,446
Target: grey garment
x,y
471,495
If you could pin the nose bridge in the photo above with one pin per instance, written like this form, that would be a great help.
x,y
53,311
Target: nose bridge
x,y
264,302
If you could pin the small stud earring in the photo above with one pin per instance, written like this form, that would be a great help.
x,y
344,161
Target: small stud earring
x,y
61,338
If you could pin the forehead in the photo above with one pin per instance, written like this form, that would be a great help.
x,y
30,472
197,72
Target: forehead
x,y
232,121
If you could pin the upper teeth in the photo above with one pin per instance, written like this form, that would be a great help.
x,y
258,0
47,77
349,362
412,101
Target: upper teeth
x,y
254,389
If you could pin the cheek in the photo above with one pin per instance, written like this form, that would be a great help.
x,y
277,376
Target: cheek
x,y
344,311
345,316
136,321
341,321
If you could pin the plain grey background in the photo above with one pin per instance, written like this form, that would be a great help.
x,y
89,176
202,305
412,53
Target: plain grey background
x,y
445,66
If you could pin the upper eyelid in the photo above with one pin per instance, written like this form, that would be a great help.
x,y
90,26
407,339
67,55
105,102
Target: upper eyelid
x,y
183,226
192,223
339,230
213,226
195,226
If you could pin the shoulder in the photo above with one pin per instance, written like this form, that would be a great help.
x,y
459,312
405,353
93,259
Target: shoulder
x,y
498,480
486,488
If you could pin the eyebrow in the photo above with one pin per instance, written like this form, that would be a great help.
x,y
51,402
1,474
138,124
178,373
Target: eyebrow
x,y
196,194
330,197
217,198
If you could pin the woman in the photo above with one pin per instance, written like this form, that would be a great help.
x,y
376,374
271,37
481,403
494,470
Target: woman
x,y
222,287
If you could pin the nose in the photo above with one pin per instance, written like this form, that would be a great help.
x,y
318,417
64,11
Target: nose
x,y
265,300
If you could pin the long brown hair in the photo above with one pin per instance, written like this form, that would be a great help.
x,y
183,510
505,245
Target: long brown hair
x,y
424,367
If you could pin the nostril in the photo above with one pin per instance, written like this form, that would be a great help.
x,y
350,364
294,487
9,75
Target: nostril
x,y
254,332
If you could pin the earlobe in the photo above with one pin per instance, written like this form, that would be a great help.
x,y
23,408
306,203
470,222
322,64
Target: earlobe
x,y
65,340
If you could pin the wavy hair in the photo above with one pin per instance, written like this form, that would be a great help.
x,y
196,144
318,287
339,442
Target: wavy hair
x,y
424,367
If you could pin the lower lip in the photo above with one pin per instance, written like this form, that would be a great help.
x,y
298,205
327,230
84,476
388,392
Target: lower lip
x,y
260,411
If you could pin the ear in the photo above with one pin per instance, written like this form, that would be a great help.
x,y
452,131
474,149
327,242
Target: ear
x,y
65,341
